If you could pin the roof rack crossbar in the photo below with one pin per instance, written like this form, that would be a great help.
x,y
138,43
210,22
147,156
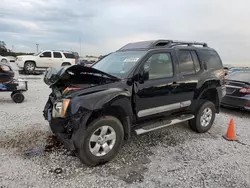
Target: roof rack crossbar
x,y
159,44
189,43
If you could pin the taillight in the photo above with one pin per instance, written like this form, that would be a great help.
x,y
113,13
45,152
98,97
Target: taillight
x,y
245,90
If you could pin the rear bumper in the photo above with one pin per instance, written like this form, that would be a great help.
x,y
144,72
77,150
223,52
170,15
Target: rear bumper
x,y
236,102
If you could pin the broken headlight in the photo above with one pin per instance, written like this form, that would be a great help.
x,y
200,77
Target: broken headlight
x,y
60,108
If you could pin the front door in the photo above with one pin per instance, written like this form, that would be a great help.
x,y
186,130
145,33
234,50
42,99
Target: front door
x,y
44,60
158,94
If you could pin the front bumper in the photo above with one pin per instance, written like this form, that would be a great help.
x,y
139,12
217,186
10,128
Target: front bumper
x,y
66,129
20,64
236,102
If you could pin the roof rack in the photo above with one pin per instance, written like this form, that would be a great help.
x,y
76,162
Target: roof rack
x,y
69,51
172,43
159,44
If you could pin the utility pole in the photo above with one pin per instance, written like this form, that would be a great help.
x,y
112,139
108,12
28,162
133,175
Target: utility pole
x,y
80,42
37,46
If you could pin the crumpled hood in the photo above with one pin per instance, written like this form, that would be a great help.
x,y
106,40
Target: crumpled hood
x,y
73,73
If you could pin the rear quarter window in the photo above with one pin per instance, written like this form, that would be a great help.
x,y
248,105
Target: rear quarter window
x,y
212,59
69,55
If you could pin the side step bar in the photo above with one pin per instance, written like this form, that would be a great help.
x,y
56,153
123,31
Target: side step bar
x,y
161,124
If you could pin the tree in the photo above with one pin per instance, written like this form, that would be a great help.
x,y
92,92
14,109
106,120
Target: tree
x,y
3,45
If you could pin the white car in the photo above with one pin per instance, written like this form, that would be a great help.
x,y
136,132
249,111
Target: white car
x,y
46,59
3,59
11,59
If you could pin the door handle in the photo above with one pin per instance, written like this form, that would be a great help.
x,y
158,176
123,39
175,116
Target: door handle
x,y
174,84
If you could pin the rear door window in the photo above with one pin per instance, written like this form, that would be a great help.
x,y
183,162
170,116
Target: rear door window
x,y
57,55
212,59
188,62
196,61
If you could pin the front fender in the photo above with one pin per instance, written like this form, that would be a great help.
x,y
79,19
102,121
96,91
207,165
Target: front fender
x,y
100,100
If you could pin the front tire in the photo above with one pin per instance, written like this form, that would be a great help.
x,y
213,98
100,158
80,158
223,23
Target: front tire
x,y
100,142
204,118
29,67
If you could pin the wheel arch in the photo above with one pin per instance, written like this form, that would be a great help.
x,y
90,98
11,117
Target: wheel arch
x,y
208,90
65,63
4,58
210,94
113,102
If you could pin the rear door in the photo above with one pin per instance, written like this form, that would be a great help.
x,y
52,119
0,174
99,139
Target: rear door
x,y
189,72
57,59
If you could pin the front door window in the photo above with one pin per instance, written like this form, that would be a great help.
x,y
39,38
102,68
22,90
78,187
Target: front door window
x,y
159,66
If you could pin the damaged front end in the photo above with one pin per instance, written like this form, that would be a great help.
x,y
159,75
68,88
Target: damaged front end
x,y
69,86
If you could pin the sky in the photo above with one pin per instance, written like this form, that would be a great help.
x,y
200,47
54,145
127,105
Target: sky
x,y
98,27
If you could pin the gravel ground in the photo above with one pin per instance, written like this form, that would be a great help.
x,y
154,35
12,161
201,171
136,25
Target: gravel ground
x,y
172,157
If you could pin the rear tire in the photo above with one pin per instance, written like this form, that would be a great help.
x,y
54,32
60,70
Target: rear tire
x,y
93,147
18,97
204,117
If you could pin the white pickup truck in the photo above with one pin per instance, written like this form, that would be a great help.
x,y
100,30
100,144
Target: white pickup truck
x,y
45,59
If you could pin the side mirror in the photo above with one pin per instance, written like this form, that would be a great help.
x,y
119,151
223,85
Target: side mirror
x,y
205,65
143,75
145,72
41,55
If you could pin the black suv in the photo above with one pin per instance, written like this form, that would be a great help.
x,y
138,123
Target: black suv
x,y
144,86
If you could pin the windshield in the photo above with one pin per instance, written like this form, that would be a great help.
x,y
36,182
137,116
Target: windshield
x,y
119,63
36,54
